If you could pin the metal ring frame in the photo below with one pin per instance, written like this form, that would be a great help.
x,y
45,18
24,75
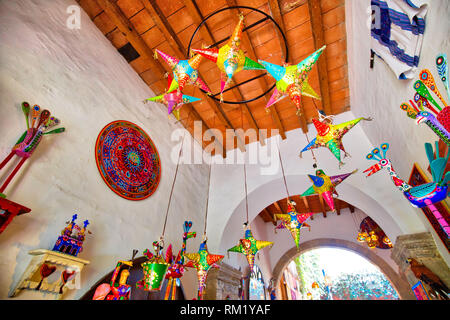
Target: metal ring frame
x,y
267,17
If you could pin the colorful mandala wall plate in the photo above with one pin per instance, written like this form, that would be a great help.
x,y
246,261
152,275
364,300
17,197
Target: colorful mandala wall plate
x,y
128,160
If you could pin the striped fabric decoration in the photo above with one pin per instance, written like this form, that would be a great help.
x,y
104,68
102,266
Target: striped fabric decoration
x,y
397,34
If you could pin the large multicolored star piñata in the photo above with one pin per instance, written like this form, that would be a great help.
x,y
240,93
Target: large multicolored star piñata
x,y
230,58
325,186
249,246
292,80
203,261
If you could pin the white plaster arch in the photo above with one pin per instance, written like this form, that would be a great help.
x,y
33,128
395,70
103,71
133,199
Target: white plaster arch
x,y
273,191
399,283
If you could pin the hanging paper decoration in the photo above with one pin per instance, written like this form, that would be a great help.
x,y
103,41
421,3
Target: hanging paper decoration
x,y
325,186
293,221
185,72
155,269
425,194
230,58
176,268
330,136
41,121
72,237
292,81
249,246
372,234
203,261
173,100
128,160
116,290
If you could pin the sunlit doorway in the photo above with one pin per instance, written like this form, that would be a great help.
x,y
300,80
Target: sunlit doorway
x,y
334,274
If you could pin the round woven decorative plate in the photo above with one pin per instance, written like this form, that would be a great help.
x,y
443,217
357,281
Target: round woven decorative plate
x,y
127,160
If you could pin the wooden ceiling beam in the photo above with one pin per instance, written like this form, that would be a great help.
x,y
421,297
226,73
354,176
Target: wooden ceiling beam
x,y
275,10
352,208
116,15
315,13
322,205
271,216
338,207
251,53
161,22
206,34
306,203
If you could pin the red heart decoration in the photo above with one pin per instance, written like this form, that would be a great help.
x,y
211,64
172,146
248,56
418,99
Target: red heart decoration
x,y
47,270
66,275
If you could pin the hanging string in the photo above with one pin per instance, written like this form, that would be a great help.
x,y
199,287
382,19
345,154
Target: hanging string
x,y
173,184
282,170
314,157
207,201
246,200
175,177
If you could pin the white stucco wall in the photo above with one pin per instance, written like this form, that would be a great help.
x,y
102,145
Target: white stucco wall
x,y
86,83
378,93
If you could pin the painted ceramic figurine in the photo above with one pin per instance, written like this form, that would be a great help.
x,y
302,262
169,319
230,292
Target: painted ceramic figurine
x,y
425,195
230,58
116,290
176,268
293,221
173,100
325,186
203,261
330,135
185,72
72,237
41,121
249,246
292,81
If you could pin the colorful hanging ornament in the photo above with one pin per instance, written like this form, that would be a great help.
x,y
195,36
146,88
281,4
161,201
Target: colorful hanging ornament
x,y
173,100
185,72
155,269
176,269
293,221
292,81
203,261
325,186
116,290
330,136
41,121
425,194
249,246
230,58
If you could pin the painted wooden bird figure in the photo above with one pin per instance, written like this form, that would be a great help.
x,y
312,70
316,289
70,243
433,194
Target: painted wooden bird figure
x,y
425,195
41,121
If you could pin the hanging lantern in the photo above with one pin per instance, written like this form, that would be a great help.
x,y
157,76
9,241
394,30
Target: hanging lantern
x,y
362,236
387,241
155,269
315,285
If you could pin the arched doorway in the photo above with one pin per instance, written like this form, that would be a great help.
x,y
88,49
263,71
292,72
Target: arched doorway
x,y
400,284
